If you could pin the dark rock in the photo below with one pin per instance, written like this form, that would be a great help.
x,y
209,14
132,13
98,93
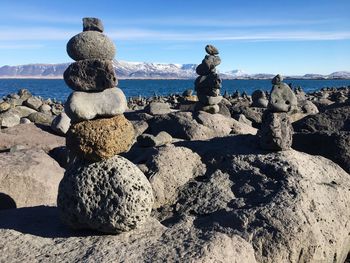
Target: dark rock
x,y
90,75
276,132
211,50
282,98
259,99
92,24
277,80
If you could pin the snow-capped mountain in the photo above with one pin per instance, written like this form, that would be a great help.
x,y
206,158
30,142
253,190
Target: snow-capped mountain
x,y
144,70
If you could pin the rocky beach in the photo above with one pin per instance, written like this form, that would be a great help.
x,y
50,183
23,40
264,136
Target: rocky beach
x,y
197,177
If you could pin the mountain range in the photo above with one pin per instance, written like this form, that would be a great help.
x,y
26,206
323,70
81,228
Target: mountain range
x,y
143,70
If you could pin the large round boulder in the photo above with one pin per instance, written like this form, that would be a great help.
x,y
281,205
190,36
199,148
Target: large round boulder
x,y
82,106
90,45
282,98
90,75
110,196
100,139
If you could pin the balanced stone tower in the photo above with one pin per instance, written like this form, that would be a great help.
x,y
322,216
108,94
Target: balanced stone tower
x,y
208,84
100,190
276,131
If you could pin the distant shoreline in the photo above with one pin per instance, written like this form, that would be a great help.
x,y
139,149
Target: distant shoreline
x,y
286,78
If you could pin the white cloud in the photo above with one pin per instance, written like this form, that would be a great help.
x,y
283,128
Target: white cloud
x,y
21,46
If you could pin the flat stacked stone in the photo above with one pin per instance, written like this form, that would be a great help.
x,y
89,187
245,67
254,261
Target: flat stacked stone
x,y
276,130
208,84
95,192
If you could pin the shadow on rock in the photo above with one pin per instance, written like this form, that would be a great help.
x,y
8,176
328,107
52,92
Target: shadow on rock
x,y
42,221
6,202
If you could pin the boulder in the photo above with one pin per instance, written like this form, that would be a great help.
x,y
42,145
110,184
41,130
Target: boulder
x,y
33,103
110,196
90,75
148,140
158,108
41,118
4,106
276,133
30,177
151,243
45,108
172,167
9,119
82,106
30,136
259,99
282,98
92,24
140,127
90,45
100,139
61,124
24,94
22,111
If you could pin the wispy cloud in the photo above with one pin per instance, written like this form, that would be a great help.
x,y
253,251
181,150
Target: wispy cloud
x,y
20,46
34,33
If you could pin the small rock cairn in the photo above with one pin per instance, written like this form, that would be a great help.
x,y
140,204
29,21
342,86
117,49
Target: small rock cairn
x,y
100,190
208,84
276,131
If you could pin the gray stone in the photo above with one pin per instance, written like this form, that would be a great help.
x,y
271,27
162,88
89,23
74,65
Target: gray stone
x,y
90,75
61,124
276,133
166,180
213,109
24,94
309,108
209,100
282,98
211,50
41,118
140,126
21,111
158,108
208,65
148,140
29,176
277,80
9,119
34,103
208,85
91,45
4,106
243,119
45,108
259,99
92,24
110,196
86,106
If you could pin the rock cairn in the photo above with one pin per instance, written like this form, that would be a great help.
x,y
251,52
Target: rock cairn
x,y
276,131
100,190
208,84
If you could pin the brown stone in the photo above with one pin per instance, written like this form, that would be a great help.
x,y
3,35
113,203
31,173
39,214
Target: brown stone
x,y
100,139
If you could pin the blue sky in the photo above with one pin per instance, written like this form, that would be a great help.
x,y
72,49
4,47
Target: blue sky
x,y
287,37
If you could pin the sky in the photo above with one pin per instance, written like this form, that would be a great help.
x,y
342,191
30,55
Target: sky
x,y
290,37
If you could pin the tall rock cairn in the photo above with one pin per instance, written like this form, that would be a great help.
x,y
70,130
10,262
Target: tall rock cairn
x,y
208,84
276,131
100,190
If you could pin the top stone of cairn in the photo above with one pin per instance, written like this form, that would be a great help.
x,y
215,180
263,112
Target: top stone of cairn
x,y
277,80
92,24
211,50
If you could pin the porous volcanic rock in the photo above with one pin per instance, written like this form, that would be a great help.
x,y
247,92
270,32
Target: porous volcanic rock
x,y
110,196
100,139
90,75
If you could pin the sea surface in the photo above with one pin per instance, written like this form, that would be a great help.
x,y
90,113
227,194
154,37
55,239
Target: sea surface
x,y
57,89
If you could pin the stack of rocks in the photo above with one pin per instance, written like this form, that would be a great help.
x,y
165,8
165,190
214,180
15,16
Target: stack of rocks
x,y
208,84
100,190
276,130
259,99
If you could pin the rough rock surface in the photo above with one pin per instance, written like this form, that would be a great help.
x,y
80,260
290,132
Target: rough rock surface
x,y
198,126
100,139
29,178
282,98
166,178
33,103
158,108
90,45
92,24
30,136
90,75
111,196
86,106
9,119
49,241
288,206
41,118
148,140
276,133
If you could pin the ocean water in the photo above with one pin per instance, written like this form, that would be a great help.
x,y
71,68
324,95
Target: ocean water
x,y
57,89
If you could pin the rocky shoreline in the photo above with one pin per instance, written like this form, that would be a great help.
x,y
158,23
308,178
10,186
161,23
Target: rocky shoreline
x,y
180,178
